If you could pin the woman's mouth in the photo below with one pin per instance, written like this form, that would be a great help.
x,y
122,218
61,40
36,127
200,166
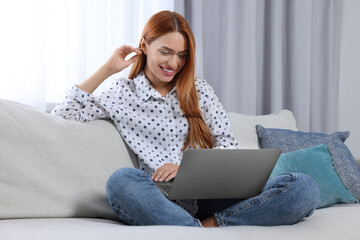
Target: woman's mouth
x,y
168,72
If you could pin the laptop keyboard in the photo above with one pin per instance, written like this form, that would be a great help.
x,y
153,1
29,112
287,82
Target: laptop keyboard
x,y
165,186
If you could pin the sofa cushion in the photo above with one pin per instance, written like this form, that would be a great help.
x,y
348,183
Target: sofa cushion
x,y
51,167
243,126
316,162
343,161
339,222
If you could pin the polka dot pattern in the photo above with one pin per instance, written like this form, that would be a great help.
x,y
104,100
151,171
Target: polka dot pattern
x,y
152,125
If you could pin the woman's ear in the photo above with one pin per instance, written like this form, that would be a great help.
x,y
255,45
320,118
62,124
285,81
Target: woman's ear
x,y
143,46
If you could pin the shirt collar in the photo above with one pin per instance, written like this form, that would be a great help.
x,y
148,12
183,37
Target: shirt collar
x,y
144,88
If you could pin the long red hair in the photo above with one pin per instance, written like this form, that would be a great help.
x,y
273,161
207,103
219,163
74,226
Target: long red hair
x,y
158,25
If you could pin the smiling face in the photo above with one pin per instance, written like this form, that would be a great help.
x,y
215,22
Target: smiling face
x,y
165,57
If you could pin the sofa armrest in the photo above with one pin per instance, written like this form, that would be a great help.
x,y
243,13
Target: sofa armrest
x,y
58,167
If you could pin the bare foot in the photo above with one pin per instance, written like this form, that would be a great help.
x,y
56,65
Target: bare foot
x,y
209,222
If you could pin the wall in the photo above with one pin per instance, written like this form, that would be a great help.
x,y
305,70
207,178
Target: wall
x,y
349,102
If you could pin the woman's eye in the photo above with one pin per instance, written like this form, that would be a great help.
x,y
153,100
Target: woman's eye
x,y
183,56
165,53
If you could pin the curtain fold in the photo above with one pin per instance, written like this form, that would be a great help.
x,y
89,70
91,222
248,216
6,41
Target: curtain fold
x,y
265,55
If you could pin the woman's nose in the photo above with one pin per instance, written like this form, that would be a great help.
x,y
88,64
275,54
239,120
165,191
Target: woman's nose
x,y
173,62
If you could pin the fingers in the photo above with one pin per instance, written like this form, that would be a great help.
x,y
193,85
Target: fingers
x,y
139,51
124,50
160,174
131,57
171,176
129,53
165,172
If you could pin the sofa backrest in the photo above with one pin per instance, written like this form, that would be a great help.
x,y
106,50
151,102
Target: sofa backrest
x,y
243,126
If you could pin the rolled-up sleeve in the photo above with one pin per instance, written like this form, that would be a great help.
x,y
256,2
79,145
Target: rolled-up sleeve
x,y
81,106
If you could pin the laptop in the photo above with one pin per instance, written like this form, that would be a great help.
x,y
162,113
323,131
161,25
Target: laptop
x,y
221,174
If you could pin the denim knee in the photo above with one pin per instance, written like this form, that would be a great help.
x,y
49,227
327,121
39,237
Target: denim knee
x,y
311,192
304,197
119,175
120,181
303,187
301,196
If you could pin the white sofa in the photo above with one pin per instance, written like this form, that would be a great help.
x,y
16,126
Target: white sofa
x,y
53,174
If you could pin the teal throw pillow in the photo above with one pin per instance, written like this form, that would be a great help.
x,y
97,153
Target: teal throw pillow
x,y
317,163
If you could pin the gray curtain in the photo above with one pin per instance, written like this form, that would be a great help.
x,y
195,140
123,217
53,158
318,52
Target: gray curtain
x,y
262,56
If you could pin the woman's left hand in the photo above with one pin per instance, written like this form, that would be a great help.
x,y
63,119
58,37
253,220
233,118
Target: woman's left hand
x,y
166,172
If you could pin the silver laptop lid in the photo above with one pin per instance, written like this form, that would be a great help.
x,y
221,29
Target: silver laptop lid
x,y
223,173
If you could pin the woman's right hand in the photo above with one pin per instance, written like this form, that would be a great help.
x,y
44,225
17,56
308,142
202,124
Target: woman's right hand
x,y
117,62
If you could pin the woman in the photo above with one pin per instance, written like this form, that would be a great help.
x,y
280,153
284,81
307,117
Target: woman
x,y
160,111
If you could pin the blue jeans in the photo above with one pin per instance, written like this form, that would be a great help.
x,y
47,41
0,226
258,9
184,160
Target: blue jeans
x,y
285,199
